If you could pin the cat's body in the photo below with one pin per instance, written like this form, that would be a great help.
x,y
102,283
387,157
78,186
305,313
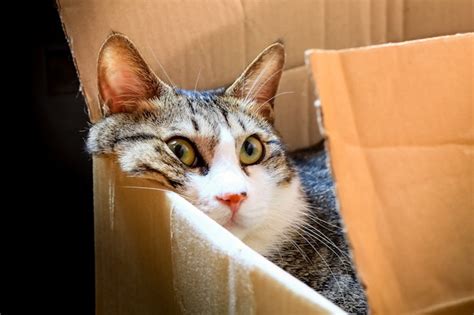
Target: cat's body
x,y
219,150
319,254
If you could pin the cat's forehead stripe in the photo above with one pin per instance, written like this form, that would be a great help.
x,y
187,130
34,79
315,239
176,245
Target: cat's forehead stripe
x,y
195,125
225,115
241,123
191,106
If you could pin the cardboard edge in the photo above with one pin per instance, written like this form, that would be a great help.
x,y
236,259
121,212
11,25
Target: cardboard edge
x,y
317,102
389,44
71,48
463,306
309,54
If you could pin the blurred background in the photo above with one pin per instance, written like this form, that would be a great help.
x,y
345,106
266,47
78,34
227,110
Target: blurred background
x,y
61,251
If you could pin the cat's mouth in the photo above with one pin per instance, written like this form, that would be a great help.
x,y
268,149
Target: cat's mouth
x,y
231,224
236,228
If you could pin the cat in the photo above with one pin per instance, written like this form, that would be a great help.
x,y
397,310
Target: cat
x,y
219,150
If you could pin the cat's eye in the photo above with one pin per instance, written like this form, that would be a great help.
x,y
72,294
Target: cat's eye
x,y
184,150
252,151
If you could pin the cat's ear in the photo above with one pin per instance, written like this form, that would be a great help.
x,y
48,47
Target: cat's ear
x,y
259,82
124,78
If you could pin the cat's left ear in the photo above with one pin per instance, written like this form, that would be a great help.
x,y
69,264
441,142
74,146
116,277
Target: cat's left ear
x,y
259,82
125,80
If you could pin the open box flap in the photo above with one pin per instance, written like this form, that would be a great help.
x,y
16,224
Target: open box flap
x,y
399,120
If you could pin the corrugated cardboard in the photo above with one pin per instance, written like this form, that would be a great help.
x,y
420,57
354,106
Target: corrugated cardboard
x,y
399,120
206,44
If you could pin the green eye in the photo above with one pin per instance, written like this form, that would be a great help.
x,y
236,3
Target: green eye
x,y
184,150
251,151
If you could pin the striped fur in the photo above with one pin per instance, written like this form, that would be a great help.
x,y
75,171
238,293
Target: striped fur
x,y
139,138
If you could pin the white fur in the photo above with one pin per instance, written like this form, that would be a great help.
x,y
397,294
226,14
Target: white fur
x,y
269,212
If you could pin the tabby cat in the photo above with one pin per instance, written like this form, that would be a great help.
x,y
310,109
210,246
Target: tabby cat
x,y
219,150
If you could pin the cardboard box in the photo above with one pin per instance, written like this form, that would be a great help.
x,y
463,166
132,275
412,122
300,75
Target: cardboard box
x,y
400,129
140,265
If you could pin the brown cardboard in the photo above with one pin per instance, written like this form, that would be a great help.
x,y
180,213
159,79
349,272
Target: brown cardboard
x,y
400,130
132,257
206,44
183,49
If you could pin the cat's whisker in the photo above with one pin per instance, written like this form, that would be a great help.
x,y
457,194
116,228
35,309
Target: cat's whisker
x,y
259,76
329,228
288,241
146,188
312,216
279,94
325,227
265,82
327,265
197,80
274,248
318,235
320,192
257,109
263,85
298,248
161,65
345,262
312,229
192,200
305,227
278,252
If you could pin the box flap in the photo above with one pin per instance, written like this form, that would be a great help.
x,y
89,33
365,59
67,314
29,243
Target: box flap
x,y
399,120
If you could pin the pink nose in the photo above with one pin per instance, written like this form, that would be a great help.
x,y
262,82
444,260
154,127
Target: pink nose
x,y
233,201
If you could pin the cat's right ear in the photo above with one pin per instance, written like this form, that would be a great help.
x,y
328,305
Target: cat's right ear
x,y
124,78
259,82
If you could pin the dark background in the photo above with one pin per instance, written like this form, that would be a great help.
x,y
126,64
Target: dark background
x,y
57,264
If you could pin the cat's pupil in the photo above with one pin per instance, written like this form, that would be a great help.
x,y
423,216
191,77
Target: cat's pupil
x,y
249,148
179,150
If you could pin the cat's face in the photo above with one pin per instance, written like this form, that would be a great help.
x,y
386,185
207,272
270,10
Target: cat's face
x,y
217,149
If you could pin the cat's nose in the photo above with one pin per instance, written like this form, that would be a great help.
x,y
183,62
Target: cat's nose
x,y
233,201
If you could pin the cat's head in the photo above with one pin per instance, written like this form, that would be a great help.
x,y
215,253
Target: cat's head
x,y
218,149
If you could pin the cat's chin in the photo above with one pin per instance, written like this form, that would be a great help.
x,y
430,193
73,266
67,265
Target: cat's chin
x,y
238,230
